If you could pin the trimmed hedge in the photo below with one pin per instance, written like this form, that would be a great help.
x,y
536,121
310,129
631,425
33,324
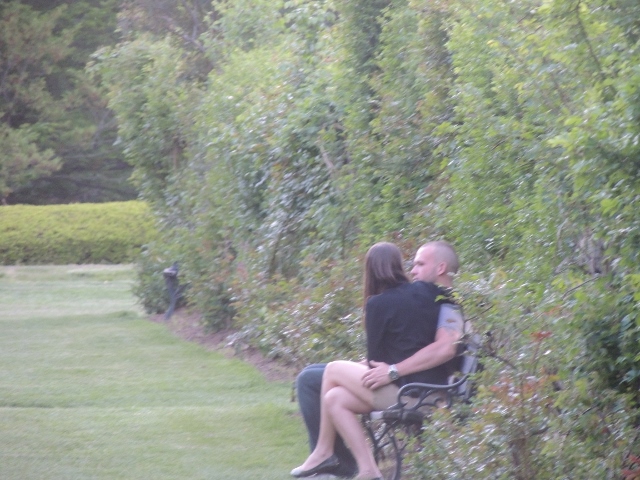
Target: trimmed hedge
x,y
76,233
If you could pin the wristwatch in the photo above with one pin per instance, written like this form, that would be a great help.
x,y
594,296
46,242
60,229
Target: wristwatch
x,y
393,373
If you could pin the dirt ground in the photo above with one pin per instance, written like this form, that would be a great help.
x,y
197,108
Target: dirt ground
x,y
188,326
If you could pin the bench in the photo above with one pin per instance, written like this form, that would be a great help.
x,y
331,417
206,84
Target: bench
x,y
389,429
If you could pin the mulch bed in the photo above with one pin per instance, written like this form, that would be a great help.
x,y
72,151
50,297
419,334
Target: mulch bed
x,y
189,326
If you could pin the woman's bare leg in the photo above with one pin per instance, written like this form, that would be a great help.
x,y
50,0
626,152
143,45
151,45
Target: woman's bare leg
x,y
344,407
343,397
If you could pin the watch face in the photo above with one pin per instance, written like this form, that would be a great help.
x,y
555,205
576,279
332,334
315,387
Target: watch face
x,y
393,373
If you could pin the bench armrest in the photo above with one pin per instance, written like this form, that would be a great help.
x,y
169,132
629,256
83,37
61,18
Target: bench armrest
x,y
416,399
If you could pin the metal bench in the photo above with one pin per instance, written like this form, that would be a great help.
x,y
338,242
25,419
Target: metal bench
x,y
389,429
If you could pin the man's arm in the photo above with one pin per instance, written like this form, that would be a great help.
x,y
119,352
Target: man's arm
x,y
440,351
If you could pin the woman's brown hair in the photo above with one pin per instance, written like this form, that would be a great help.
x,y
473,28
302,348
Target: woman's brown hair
x,y
383,269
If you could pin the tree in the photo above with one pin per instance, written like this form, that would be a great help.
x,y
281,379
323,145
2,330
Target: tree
x,y
29,52
21,160
44,90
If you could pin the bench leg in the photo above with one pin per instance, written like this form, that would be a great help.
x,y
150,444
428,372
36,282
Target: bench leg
x,y
386,450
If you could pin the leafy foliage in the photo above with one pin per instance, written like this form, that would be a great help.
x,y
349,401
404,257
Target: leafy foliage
x,y
510,129
22,161
61,135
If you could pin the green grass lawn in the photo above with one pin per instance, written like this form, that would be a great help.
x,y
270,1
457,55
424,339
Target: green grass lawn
x,y
90,389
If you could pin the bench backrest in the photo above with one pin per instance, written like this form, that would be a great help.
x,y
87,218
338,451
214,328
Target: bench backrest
x,y
468,365
414,397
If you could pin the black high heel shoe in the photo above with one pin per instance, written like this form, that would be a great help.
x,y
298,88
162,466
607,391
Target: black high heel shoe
x,y
325,467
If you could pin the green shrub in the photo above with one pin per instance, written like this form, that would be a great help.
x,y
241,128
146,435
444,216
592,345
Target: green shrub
x,y
303,322
535,414
76,233
150,287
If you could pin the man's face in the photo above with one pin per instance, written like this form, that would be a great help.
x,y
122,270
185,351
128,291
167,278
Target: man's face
x,y
425,265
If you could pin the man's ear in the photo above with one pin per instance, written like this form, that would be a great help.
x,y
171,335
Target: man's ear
x,y
441,269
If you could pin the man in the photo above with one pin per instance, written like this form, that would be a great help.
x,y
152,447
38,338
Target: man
x,y
435,262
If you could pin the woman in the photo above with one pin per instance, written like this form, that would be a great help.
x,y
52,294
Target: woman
x,y
400,319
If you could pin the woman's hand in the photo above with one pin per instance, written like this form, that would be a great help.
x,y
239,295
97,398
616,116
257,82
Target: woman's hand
x,y
377,376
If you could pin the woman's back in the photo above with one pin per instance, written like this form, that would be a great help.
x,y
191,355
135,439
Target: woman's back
x,y
402,320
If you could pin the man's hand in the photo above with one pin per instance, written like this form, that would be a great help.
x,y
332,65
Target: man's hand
x,y
377,376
